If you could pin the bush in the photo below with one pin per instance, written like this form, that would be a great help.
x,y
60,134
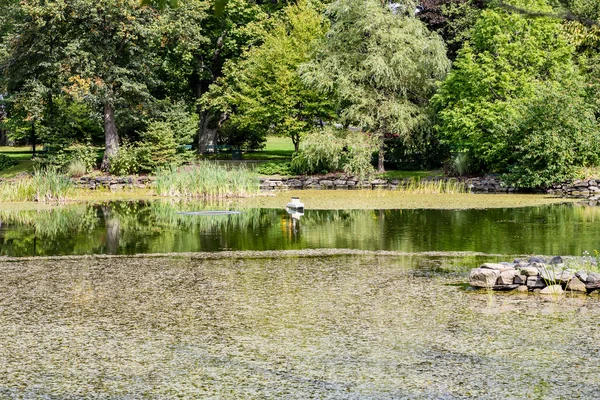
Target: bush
x,y
76,168
331,149
126,160
275,168
6,162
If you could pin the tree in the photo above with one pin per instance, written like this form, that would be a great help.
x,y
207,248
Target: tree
x,y
501,77
95,51
262,92
382,65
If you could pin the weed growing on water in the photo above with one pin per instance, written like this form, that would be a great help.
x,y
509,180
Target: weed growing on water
x,y
206,180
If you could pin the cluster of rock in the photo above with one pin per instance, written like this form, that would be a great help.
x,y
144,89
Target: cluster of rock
x,y
589,188
536,274
487,184
112,182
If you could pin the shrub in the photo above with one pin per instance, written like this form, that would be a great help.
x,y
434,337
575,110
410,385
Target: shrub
x,y
126,160
332,149
76,168
6,162
274,168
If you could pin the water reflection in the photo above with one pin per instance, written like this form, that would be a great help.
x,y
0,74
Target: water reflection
x,y
164,227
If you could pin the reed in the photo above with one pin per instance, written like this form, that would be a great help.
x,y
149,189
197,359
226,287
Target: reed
x,y
43,186
422,186
206,180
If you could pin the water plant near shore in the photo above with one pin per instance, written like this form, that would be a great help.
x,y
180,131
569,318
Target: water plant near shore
x,y
43,186
206,180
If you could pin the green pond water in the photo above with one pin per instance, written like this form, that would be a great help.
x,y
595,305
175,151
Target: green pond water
x,y
286,327
156,227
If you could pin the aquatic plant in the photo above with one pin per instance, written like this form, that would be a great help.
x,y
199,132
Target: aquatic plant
x,y
43,186
206,180
423,186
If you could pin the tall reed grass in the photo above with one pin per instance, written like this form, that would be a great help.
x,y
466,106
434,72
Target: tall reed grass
x,y
43,186
422,186
206,180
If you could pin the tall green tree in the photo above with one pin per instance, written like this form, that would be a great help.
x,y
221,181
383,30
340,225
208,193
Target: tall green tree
x,y
513,66
100,52
262,92
382,65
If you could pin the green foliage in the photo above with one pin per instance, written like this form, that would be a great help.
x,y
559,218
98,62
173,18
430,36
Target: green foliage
x,y
504,79
6,162
275,168
126,161
263,93
558,135
76,168
206,180
332,149
381,65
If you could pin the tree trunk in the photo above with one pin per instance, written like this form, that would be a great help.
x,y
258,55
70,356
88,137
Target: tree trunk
x,y
111,136
3,138
206,135
33,138
296,141
381,157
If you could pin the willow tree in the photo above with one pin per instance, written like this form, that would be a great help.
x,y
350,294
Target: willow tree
x,y
382,65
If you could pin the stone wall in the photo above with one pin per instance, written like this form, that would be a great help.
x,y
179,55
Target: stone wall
x,y
113,182
534,275
486,184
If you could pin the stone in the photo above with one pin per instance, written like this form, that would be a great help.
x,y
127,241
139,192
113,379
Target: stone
x,y
593,277
520,279
530,271
507,277
556,260
552,289
505,287
592,286
538,260
522,289
517,260
495,266
575,285
582,275
535,282
481,277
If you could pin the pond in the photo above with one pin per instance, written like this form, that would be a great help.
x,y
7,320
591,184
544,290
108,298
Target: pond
x,y
293,327
164,227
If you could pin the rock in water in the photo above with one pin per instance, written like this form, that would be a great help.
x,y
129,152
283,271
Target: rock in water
x,y
482,277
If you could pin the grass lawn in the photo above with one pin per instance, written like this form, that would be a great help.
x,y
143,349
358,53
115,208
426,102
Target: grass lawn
x,y
23,155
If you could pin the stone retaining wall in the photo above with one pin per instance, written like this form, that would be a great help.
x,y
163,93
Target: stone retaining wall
x,y
534,275
113,182
484,184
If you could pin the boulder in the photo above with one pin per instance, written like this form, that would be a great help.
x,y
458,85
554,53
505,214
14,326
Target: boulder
x,y
575,285
507,277
556,260
593,277
535,282
538,260
530,271
552,289
482,277
522,289
495,266
582,275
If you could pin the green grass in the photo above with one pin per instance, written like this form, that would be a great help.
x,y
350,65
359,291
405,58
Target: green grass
x,y
22,155
277,148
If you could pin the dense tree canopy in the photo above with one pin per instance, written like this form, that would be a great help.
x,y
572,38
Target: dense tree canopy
x,y
522,96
